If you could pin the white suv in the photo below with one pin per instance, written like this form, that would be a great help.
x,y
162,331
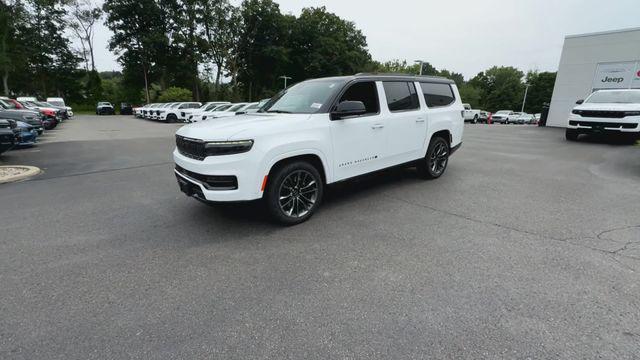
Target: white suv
x,y
319,132
606,111
174,112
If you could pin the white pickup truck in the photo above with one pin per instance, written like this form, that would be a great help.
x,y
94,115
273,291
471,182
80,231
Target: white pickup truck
x,y
471,115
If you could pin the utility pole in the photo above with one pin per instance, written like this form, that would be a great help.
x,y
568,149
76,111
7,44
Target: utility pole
x,y
285,80
421,62
524,101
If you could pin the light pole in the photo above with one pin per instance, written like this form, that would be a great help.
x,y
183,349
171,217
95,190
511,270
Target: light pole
x,y
526,91
285,80
421,65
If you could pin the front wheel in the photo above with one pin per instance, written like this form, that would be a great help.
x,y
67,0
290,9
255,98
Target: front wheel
x,y
475,119
294,192
171,118
435,162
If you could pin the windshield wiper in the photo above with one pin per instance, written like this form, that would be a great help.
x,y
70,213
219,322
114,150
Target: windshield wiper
x,y
279,111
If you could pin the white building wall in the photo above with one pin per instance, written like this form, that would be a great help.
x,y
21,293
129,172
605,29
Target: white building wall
x,y
581,55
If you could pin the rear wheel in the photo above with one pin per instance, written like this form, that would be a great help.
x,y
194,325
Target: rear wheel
x,y
572,135
435,162
294,192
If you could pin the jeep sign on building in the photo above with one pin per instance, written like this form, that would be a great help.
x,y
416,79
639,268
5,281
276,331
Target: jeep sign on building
x,y
607,60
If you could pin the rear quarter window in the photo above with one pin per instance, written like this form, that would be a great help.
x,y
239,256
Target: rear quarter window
x,y
401,96
437,95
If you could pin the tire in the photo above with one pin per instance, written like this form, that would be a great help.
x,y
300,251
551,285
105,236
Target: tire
x,y
436,160
172,118
571,135
475,119
294,192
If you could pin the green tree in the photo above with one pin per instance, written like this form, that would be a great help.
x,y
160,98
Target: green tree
x,y
540,90
175,94
471,95
43,64
263,52
139,36
505,90
323,44
83,18
219,22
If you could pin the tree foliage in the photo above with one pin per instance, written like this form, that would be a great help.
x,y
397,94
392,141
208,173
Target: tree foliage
x,y
175,94
213,48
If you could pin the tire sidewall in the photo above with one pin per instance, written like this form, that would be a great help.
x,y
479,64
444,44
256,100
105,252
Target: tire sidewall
x,y
271,194
424,168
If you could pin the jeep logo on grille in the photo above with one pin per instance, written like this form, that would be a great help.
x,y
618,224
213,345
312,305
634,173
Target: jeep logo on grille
x,y
617,80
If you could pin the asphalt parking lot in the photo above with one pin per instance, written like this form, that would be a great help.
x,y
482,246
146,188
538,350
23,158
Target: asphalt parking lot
x,y
528,247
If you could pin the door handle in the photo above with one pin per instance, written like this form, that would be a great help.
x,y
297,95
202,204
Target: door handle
x,y
420,120
377,126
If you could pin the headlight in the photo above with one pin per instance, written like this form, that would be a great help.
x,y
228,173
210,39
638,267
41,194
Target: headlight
x,y
577,112
217,148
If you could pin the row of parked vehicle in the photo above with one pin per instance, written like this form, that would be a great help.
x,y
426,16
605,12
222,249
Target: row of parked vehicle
x,y
23,119
194,111
500,117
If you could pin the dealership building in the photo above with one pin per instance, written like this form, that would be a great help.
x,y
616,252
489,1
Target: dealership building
x,y
605,60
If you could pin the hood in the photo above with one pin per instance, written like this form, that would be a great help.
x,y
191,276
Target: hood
x,y
47,109
18,114
244,126
608,107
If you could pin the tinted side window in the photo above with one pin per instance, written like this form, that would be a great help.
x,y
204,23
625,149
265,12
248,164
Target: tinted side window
x,y
401,96
365,92
437,95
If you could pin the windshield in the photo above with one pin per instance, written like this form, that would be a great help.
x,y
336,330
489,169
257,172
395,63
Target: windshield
x,y
222,107
7,105
56,103
503,112
304,98
614,97
235,107
104,103
175,105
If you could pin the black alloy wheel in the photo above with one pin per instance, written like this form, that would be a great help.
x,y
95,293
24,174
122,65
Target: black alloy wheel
x,y
435,162
294,192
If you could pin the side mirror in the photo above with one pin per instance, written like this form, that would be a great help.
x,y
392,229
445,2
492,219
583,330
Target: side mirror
x,y
580,102
348,108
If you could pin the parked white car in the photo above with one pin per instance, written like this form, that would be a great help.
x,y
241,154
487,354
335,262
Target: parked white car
x,y
220,113
173,113
504,116
198,114
59,102
606,111
185,114
471,115
320,132
525,118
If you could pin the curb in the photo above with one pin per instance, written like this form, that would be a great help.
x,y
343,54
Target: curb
x,y
29,171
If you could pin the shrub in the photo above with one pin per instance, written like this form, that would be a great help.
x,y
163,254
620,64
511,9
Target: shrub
x,y
175,94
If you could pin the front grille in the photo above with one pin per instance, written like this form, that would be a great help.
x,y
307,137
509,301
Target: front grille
x,y
594,124
211,182
602,114
191,148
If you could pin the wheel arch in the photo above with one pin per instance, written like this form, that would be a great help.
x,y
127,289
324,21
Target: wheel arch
x,y
313,158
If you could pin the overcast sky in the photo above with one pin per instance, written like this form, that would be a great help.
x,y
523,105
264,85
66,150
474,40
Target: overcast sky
x,y
466,36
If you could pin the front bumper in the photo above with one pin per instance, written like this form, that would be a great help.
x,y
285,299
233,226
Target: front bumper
x,y
242,167
630,124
